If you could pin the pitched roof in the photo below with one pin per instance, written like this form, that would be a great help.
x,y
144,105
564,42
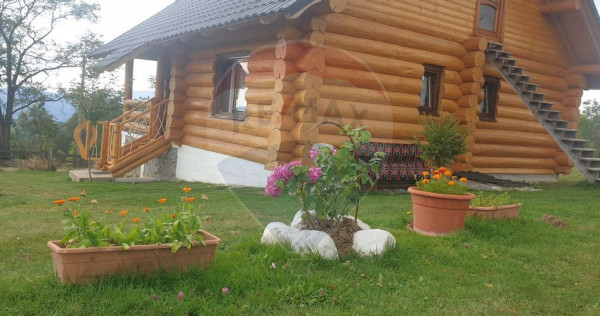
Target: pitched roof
x,y
185,17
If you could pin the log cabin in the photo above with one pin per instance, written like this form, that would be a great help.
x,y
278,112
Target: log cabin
x,y
240,84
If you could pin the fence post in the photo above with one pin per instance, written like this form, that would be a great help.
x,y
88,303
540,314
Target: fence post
x,y
50,158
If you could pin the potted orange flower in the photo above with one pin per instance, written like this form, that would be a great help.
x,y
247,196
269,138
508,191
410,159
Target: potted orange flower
x,y
440,200
139,243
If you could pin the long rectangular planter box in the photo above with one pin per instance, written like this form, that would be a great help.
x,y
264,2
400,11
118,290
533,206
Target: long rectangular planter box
x,y
78,265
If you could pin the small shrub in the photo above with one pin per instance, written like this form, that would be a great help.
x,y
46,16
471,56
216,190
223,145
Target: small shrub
x,y
36,163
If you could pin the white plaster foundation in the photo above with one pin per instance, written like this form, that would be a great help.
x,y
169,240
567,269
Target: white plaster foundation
x,y
195,164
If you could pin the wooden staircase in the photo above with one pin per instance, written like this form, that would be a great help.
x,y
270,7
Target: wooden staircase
x,y
581,156
128,141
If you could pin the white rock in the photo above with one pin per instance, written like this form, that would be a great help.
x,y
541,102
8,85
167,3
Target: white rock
x,y
314,241
373,242
297,221
278,232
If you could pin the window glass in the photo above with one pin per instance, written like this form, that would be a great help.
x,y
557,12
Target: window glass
x,y
430,92
230,91
487,18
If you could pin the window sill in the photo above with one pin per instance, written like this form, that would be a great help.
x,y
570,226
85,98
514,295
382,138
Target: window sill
x,y
239,116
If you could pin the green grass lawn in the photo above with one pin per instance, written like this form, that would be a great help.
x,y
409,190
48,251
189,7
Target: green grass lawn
x,y
510,267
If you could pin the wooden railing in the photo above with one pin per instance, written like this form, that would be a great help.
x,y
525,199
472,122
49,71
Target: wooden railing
x,y
120,137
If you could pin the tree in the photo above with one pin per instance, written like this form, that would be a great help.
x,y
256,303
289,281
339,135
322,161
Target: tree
x,y
589,123
27,55
36,129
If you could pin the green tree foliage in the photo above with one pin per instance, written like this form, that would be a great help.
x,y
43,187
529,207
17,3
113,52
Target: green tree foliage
x,y
589,123
445,138
28,55
36,129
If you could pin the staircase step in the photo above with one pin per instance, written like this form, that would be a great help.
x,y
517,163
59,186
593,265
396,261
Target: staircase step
x,y
507,61
522,79
526,86
496,46
549,114
557,123
574,142
583,152
566,132
590,162
541,105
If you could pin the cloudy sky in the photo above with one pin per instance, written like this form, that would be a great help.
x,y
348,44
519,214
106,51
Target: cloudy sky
x,y
118,16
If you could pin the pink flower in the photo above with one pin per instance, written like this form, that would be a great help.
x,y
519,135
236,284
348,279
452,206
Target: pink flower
x,y
334,151
314,173
313,153
273,266
225,290
154,297
283,173
180,296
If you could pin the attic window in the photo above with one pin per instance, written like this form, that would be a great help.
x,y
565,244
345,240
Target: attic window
x,y
230,90
490,15
490,99
430,93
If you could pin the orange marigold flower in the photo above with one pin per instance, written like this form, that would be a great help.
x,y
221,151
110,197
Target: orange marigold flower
x,y
135,219
425,173
451,183
173,215
75,213
190,199
107,211
204,197
442,169
448,173
83,193
436,177
74,199
425,181
59,202
463,180
162,201
187,189
123,213
147,209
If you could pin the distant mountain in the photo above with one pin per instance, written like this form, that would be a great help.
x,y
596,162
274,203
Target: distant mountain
x,y
63,110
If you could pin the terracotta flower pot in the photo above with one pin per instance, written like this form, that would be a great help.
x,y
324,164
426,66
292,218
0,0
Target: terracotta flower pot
x,y
491,212
438,214
79,265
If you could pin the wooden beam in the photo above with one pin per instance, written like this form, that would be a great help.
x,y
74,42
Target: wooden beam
x,y
558,7
128,80
585,69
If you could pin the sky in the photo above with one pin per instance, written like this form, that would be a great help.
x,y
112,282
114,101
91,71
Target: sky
x,y
118,16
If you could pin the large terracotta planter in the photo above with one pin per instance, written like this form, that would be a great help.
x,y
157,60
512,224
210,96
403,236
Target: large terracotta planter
x,y
503,211
78,265
438,214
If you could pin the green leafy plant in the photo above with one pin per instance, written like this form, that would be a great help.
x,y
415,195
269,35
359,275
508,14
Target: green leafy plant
x,y
490,199
179,228
442,181
445,138
333,184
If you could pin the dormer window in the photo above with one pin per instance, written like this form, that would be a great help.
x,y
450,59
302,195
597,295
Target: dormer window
x,y
490,15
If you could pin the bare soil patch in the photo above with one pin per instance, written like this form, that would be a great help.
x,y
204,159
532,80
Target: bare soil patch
x,y
554,221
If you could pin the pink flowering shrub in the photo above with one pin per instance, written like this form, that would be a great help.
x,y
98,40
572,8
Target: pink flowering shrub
x,y
333,184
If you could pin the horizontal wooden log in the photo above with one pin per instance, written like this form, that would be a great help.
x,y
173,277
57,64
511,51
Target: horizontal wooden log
x,y
282,103
367,62
196,104
260,80
259,110
495,150
285,87
121,168
231,137
174,134
313,39
512,125
513,138
284,69
251,126
524,115
358,111
261,65
449,106
471,74
301,150
370,96
468,101
378,129
371,80
305,114
507,170
452,77
282,122
467,115
274,155
306,98
200,92
174,122
238,151
562,159
476,43
337,140
200,79
512,162
301,135
200,65
363,28
474,59
308,80
373,47
576,81
260,96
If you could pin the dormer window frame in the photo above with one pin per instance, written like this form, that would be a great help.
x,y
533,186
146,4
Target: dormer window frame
x,y
499,7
